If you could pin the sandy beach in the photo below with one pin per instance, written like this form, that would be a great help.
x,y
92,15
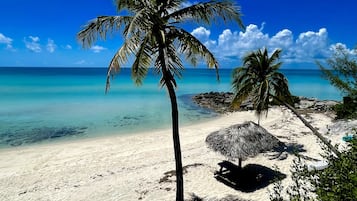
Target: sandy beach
x,y
133,167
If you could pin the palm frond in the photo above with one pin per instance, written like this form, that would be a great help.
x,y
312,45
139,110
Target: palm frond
x,y
175,64
241,95
204,12
100,27
192,47
142,61
121,57
131,5
275,56
261,100
260,75
242,86
280,87
139,22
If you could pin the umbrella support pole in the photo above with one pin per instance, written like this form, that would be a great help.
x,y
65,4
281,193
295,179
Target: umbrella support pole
x,y
240,163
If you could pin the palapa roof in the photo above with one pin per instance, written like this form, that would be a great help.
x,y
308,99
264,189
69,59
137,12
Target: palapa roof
x,y
241,141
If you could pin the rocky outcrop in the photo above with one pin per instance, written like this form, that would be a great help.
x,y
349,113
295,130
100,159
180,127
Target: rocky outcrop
x,y
315,104
220,102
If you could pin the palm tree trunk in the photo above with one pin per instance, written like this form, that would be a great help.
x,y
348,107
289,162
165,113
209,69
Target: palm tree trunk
x,y
176,140
307,124
168,78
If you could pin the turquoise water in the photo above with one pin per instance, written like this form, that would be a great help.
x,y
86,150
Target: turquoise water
x,y
44,104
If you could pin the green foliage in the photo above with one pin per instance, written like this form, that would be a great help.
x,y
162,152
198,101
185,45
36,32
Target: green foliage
x,y
260,80
342,71
345,111
339,180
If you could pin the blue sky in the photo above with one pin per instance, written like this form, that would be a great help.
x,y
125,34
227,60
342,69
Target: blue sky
x,y
43,33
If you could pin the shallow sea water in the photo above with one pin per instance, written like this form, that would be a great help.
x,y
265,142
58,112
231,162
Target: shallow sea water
x,y
38,105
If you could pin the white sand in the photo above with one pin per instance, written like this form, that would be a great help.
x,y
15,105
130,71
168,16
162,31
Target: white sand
x,y
130,167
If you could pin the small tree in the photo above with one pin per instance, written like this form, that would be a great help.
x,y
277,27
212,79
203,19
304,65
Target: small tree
x,y
342,73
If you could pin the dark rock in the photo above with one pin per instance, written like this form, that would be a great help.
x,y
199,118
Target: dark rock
x,y
220,102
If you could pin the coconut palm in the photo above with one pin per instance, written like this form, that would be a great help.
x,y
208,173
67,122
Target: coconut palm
x,y
260,80
153,36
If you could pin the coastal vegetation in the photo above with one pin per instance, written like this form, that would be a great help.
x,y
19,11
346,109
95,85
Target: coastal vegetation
x,y
342,73
153,35
337,182
260,80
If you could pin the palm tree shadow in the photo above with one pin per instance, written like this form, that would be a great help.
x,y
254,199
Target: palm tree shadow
x,y
281,152
249,178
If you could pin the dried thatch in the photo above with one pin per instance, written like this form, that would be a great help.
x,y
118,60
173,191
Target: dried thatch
x,y
241,141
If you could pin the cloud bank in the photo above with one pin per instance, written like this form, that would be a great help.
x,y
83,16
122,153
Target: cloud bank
x,y
233,45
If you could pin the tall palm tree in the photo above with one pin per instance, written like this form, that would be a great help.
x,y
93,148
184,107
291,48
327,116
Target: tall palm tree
x,y
153,35
260,80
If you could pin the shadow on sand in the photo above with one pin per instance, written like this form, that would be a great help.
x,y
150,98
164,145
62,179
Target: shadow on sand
x,y
249,178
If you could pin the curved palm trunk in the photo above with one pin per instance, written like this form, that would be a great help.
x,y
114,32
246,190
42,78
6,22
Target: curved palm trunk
x,y
167,76
307,124
176,139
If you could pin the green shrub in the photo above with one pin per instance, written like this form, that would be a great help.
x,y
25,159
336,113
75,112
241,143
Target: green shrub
x,y
347,109
339,180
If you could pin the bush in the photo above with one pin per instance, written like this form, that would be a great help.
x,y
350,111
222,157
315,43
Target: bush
x,y
347,109
339,180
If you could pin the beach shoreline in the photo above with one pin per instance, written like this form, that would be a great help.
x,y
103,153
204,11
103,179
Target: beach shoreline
x,y
133,167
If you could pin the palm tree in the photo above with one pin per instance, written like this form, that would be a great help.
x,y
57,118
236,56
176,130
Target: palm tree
x,y
260,80
153,34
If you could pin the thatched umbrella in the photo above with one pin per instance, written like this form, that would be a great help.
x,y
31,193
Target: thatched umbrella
x,y
241,141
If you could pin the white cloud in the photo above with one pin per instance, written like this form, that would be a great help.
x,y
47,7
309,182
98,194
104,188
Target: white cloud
x,y
51,46
283,39
97,48
312,45
201,33
33,45
68,47
6,40
233,45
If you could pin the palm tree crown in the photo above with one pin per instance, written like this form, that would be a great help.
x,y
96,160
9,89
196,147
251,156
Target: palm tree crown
x,y
152,25
260,80
153,35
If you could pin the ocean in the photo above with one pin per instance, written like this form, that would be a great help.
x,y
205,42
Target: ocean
x,y
41,105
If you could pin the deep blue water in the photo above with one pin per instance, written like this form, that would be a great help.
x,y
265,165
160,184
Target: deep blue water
x,y
44,104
